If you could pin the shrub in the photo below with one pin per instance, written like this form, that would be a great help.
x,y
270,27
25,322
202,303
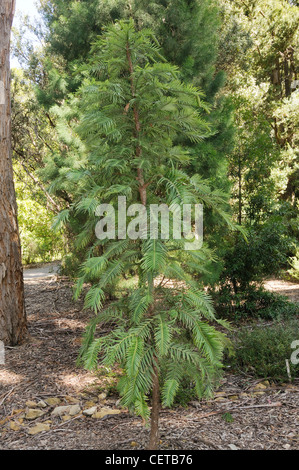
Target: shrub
x,y
252,302
263,349
265,252
39,242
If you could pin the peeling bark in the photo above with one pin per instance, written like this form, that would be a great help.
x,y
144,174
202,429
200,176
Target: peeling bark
x,y
13,327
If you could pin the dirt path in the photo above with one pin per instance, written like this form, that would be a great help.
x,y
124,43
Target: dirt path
x,y
286,288
245,414
48,270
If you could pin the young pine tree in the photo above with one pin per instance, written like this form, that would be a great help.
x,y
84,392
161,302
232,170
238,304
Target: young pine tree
x,y
131,109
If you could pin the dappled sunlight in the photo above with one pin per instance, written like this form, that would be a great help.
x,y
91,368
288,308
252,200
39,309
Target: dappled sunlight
x,y
68,323
162,281
77,381
10,378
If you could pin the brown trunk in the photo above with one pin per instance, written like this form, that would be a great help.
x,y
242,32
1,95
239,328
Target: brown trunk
x,y
154,433
13,328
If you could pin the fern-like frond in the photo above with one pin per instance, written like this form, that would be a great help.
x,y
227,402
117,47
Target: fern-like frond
x,y
134,356
139,304
60,220
163,335
94,298
91,355
155,255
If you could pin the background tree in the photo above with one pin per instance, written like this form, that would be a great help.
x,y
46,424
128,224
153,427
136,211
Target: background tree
x,y
260,39
12,308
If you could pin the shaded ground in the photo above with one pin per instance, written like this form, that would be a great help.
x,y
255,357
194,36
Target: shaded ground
x,y
245,414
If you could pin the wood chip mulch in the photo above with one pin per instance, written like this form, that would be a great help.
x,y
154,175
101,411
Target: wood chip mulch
x,y
245,413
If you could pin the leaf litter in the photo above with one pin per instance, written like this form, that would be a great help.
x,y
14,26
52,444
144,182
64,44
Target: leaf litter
x,y
41,376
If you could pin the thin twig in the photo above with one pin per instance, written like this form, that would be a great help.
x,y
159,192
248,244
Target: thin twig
x,y
7,395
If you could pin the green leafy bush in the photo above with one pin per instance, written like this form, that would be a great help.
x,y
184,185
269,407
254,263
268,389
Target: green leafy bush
x,y
265,252
39,243
263,349
253,302
38,240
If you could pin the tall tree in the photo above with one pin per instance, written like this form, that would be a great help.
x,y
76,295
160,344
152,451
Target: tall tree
x,y
131,110
13,327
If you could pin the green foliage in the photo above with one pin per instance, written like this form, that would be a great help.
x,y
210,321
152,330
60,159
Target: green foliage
x,y
263,349
188,34
152,325
246,262
228,418
217,99
252,303
39,242
294,270
264,164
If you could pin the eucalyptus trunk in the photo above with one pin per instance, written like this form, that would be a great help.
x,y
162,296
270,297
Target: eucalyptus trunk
x,y
13,326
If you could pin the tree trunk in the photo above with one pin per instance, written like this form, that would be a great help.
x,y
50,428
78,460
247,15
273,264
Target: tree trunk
x,y
154,433
13,327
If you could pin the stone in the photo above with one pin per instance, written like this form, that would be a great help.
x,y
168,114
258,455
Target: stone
x,y
260,386
14,426
31,404
90,411
102,396
72,400
53,401
233,447
33,413
61,410
74,410
41,404
90,404
40,427
105,412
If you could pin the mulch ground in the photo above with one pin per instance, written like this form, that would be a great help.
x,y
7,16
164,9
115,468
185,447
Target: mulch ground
x,y
245,413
